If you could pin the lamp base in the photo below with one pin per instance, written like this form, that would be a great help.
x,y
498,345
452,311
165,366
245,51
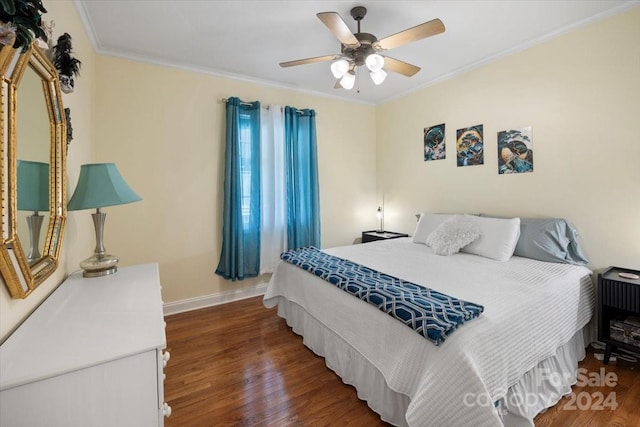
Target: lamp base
x,y
99,265
35,224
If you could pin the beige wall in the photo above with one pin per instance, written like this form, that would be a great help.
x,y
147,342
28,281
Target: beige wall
x,y
580,92
75,243
164,128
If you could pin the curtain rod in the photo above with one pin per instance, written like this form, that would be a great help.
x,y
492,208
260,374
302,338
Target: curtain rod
x,y
266,107
249,104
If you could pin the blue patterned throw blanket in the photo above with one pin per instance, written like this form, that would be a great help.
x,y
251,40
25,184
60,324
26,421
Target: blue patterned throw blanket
x,y
432,314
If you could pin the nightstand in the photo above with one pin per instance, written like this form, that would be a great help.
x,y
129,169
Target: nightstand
x,y
618,311
372,235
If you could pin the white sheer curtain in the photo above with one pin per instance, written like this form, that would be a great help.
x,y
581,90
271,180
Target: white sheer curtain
x,y
273,227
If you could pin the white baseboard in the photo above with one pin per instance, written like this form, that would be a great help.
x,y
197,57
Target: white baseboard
x,y
189,304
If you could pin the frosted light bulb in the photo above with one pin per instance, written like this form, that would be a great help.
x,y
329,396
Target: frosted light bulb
x,y
374,62
378,76
339,68
348,81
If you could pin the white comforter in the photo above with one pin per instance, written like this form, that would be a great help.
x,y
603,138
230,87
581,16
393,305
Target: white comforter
x,y
531,308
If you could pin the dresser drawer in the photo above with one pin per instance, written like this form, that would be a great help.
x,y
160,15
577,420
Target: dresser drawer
x,y
118,393
164,410
89,356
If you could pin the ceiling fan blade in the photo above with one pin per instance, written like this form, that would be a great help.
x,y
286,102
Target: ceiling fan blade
x,y
427,29
309,60
400,67
337,26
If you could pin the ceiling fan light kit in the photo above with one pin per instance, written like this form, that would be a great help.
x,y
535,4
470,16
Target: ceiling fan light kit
x,y
362,49
374,62
340,68
378,76
348,80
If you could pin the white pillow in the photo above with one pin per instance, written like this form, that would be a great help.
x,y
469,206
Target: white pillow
x,y
498,237
426,224
453,234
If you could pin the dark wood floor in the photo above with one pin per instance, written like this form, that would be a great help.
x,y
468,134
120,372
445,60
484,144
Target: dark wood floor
x,y
239,364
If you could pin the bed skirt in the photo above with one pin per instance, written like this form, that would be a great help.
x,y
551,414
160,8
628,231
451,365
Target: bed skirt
x,y
538,389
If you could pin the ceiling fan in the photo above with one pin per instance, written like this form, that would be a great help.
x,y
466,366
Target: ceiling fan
x,y
362,49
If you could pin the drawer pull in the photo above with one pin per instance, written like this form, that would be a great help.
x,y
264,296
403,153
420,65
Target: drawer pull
x,y
166,409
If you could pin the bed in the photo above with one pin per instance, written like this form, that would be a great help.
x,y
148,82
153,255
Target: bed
x,y
502,368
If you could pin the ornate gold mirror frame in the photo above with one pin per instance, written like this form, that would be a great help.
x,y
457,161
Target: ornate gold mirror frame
x,y
21,273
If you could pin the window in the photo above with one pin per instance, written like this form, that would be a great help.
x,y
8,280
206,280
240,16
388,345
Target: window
x,y
245,168
270,187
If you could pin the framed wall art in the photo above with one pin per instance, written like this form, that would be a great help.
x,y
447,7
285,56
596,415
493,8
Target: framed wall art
x,y
470,146
434,143
515,151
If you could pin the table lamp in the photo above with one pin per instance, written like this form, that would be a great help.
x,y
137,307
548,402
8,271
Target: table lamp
x,y
380,216
100,185
33,195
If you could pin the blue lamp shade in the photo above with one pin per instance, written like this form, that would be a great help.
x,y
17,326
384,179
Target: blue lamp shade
x,y
100,185
33,186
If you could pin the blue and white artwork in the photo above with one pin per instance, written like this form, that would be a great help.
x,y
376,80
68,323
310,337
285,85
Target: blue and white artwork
x,y
515,151
434,143
470,146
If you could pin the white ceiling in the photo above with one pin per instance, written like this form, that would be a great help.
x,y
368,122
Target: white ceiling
x,y
248,39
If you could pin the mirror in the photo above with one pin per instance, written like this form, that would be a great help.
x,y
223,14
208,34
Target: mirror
x,y
32,154
33,135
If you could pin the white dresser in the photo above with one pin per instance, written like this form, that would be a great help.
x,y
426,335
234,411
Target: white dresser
x,y
89,356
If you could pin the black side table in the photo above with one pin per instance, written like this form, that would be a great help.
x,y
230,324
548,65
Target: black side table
x,y
618,298
372,235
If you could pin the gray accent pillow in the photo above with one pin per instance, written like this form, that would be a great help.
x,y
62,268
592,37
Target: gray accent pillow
x,y
550,240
